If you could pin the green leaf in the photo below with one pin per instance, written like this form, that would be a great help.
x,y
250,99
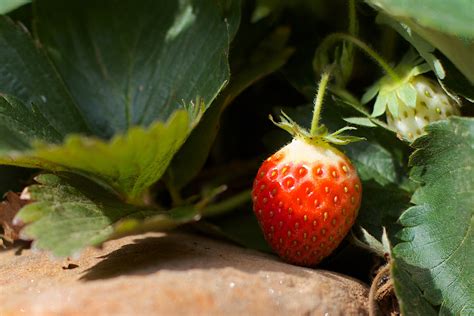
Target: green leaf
x,y
120,76
373,162
453,17
425,40
425,49
410,298
455,80
10,5
271,54
129,64
71,213
381,206
458,50
20,126
128,163
27,74
438,239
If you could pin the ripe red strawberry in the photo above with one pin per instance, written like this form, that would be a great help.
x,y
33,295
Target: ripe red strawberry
x,y
307,195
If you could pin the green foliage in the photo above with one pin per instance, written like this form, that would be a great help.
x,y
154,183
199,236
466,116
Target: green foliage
x,y
410,297
128,163
22,125
70,213
452,17
28,75
455,82
374,162
458,50
426,41
437,238
36,108
271,54
381,207
10,5
139,64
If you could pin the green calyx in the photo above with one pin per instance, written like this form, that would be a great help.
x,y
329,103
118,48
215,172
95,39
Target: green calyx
x,y
390,91
318,134
321,135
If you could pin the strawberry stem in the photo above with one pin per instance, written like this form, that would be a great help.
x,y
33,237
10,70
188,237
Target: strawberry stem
x,y
318,101
353,25
354,102
335,37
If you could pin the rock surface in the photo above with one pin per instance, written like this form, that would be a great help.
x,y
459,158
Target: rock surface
x,y
171,274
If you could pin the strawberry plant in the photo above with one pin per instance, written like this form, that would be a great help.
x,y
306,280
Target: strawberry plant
x,y
119,118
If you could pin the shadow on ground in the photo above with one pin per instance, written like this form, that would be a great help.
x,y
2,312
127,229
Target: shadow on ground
x,y
181,252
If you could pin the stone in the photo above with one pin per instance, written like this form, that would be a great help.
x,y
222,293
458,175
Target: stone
x,y
171,274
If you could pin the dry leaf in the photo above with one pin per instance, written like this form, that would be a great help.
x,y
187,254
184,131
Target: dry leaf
x,y
8,210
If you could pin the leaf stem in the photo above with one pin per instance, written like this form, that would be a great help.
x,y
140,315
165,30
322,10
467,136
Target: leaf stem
x,y
318,101
335,37
227,205
176,197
